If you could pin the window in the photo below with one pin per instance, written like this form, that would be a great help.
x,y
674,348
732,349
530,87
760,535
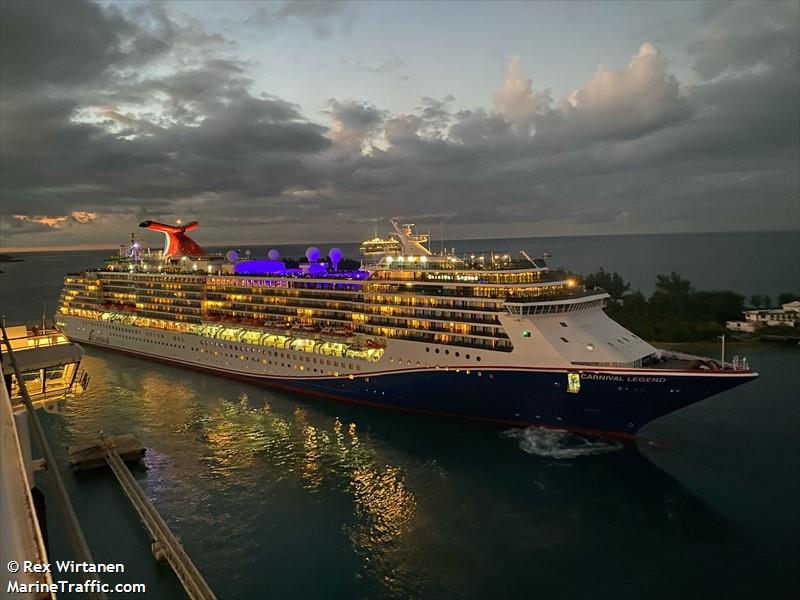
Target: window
x,y
565,340
563,324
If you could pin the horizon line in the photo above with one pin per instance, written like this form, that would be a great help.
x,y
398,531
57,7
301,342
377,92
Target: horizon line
x,y
112,246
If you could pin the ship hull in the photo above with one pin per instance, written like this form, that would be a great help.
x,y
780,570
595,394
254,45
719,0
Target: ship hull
x,y
611,402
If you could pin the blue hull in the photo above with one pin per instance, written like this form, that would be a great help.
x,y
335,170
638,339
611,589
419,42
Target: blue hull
x,y
618,404
614,403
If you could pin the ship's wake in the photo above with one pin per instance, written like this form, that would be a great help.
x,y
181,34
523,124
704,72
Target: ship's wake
x,y
555,443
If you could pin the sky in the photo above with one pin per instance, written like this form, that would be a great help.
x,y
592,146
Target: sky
x,y
306,121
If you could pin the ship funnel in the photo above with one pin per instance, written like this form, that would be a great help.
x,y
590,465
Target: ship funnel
x,y
176,242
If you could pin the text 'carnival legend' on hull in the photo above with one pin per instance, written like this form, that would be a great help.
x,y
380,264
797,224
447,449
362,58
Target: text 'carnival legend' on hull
x,y
491,337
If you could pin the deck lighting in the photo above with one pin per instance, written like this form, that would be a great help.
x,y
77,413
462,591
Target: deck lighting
x,y
423,259
388,260
570,283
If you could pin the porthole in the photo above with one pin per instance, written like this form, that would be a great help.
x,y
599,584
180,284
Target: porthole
x,y
478,358
437,351
447,351
467,357
457,354
427,349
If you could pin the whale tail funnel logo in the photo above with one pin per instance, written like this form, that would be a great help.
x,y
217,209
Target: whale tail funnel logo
x,y
177,243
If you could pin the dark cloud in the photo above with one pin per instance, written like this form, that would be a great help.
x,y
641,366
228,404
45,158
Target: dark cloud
x,y
121,139
154,131
354,122
743,35
64,43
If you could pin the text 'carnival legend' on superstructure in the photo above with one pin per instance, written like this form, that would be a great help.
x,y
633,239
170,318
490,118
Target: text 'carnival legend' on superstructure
x,y
495,337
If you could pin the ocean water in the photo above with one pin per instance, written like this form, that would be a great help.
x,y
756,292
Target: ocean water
x,y
276,495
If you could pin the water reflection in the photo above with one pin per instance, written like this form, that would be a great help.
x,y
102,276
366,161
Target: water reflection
x,y
264,488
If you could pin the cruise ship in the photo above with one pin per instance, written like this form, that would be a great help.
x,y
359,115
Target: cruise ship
x,y
494,337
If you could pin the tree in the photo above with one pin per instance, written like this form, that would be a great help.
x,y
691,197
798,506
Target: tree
x,y
673,285
756,300
613,283
787,297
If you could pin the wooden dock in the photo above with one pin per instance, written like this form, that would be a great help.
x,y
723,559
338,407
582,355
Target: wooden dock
x,y
166,546
93,454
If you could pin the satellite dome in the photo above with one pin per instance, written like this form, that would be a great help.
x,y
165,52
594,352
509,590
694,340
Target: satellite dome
x,y
335,254
312,254
273,254
232,255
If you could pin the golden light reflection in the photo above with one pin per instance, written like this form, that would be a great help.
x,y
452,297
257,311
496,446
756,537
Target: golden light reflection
x,y
326,457
311,466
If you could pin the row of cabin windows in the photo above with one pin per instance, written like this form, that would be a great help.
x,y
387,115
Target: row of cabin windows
x,y
456,354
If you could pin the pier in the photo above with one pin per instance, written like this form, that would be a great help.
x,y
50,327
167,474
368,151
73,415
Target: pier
x,y
166,546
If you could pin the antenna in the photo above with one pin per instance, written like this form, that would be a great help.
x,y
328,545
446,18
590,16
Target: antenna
x,y
525,254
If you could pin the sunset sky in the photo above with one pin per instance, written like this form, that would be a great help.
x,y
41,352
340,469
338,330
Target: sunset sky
x,y
310,121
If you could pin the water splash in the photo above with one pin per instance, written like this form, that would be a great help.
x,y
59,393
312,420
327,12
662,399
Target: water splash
x,y
556,443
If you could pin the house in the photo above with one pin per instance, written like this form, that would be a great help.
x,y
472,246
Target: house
x,y
786,316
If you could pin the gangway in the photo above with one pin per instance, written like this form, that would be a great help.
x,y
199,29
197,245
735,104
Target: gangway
x,y
166,545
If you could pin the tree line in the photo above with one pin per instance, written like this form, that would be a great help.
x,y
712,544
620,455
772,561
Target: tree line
x,y
675,312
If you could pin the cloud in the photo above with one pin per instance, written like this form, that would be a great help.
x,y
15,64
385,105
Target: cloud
x,y
175,127
320,15
627,102
157,136
354,122
56,222
746,35
516,99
